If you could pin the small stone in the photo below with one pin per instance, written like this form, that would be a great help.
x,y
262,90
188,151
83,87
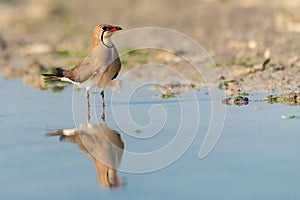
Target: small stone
x,y
239,101
230,92
252,44
283,117
267,53
233,91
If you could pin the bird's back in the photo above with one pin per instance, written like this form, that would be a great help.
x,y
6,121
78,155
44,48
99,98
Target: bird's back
x,y
97,69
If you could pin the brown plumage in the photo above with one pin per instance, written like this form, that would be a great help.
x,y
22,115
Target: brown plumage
x,y
102,144
101,65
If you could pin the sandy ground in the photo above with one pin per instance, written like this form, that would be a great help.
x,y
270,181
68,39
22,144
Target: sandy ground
x,y
254,44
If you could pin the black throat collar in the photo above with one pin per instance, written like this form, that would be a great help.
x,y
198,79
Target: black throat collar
x,y
102,35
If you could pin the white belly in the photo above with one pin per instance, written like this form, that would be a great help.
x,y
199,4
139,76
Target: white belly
x,y
90,83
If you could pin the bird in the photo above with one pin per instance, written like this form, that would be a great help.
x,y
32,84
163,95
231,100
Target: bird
x,y
98,68
102,144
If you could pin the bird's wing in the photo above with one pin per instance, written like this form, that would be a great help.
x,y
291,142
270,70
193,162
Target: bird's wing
x,y
93,64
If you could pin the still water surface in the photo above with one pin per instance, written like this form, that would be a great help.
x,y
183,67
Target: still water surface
x,y
256,157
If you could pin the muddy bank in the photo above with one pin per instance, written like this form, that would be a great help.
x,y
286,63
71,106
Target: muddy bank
x,y
290,99
254,43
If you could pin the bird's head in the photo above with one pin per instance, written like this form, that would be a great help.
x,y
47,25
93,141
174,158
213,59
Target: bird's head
x,y
108,177
109,29
102,33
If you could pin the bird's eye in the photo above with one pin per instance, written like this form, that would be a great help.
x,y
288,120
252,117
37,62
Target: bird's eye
x,y
105,28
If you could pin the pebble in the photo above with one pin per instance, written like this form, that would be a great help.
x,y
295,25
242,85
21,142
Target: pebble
x,y
252,44
267,53
239,101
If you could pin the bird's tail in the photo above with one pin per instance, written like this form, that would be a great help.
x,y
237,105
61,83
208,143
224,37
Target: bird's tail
x,y
64,134
59,73
59,132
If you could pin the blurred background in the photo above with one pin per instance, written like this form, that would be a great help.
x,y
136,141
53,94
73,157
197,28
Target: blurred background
x,y
255,46
251,41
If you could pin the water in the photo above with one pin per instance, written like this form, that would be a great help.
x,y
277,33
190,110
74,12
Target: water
x,y
256,157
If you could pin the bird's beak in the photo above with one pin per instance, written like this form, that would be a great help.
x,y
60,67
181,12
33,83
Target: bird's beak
x,y
119,182
116,28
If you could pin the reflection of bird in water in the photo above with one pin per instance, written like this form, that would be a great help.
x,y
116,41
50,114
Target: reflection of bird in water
x,y
103,144
98,68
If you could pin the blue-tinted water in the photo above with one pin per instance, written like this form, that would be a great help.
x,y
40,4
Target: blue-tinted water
x,y
256,157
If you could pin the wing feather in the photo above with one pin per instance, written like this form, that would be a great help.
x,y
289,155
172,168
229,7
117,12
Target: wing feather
x,y
94,64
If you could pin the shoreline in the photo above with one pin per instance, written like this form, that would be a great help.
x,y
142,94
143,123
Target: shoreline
x,y
253,44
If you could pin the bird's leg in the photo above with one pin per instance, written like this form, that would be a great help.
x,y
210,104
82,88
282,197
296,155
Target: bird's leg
x,y
88,106
103,106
